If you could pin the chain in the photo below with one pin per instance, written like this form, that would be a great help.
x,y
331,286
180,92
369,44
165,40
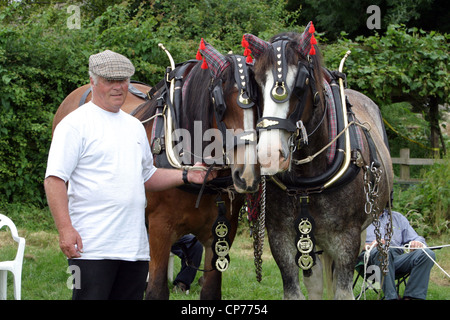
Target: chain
x,y
258,232
372,177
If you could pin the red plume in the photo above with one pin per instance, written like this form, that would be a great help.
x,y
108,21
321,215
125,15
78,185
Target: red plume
x,y
202,45
249,59
244,42
312,51
204,64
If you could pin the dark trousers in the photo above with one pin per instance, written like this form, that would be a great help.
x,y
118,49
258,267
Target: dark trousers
x,y
108,279
190,251
417,263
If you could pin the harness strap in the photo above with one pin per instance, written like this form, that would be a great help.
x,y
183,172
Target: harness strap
x,y
221,243
197,203
305,226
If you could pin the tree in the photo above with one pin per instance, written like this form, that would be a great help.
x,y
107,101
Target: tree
x,y
332,17
404,64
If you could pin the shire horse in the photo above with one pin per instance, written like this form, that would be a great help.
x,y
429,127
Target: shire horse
x,y
214,95
218,92
321,170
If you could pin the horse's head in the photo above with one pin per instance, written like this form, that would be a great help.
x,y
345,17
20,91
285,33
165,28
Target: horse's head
x,y
288,71
234,96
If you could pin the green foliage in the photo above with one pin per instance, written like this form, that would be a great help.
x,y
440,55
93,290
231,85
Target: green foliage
x,y
332,17
400,65
38,66
427,204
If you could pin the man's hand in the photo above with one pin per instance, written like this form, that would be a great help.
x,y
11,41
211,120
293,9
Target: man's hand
x,y
198,175
415,244
70,243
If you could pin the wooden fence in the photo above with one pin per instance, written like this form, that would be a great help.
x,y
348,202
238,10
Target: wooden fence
x,y
405,162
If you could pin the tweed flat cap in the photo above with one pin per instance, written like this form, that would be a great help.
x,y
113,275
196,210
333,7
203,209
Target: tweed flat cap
x,y
111,65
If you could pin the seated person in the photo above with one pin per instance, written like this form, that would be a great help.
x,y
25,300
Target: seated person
x,y
190,251
416,262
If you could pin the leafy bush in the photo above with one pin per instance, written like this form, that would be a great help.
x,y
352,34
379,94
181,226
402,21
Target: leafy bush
x,y
402,65
427,204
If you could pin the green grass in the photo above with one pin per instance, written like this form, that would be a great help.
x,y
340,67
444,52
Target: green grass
x,y
44,269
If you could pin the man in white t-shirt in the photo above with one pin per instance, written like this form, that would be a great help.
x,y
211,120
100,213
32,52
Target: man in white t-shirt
x,y
104,156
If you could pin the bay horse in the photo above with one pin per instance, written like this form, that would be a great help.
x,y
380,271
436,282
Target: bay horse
x,y
313,156
212,95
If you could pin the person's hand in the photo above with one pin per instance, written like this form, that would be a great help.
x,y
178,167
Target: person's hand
x,y
415,244
198,175
70,243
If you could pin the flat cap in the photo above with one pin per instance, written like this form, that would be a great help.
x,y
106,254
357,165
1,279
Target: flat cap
x,y
111,65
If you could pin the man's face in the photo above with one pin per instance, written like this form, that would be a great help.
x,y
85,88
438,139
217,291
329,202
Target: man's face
x,y
109,94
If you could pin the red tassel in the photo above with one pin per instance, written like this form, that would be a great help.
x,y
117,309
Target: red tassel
x,y
244,42
247,52
312,51
198,55
313,40
311,28
249,59
204,64
202,45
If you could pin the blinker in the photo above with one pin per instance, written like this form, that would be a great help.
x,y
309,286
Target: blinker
x,y
219,101
302,77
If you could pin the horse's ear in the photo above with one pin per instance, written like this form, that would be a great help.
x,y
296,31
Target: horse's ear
x,y
307,41
213,59
254,46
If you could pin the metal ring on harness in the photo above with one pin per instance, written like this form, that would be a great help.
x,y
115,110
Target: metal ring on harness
x,y
279,96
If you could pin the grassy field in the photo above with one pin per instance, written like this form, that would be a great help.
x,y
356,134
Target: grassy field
x,y
44,271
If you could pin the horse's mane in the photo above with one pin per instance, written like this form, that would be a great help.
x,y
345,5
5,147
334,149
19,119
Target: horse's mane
x,y
196,102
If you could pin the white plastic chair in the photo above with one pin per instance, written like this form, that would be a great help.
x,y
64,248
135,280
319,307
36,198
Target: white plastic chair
x,y
14,266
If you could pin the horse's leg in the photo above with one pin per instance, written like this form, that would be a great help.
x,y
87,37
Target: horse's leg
x,y
212,284
281,234
344,251
314,282
157,287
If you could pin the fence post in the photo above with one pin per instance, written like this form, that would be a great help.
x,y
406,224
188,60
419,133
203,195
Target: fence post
x,y
404,167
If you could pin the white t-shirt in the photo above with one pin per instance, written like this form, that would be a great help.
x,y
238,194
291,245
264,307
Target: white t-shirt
x,y
106,158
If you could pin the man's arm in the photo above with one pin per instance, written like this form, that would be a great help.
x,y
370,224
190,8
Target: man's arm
x,y
69,239
163,179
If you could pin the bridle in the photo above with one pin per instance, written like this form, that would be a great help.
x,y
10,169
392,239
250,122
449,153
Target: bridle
x,y
246,99
281,92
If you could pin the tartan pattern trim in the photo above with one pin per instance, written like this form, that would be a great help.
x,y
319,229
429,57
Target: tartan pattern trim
x,y
257,45
305,41
332,126
216,61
